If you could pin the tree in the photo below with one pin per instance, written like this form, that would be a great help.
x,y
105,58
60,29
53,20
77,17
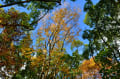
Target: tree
x,y
103,18
54,33
13,25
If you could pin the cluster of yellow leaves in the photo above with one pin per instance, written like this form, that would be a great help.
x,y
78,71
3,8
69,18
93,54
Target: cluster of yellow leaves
x,y
55,58
27,52
90,68
37,61
89,65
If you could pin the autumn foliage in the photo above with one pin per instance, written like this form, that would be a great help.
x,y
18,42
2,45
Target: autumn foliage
x,y
46,59
90,69
44,42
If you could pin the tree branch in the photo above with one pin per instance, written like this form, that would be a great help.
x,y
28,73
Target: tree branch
x,y
39,18
27,1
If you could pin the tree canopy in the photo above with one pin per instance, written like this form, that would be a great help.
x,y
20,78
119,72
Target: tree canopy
x,y
103,18
53,49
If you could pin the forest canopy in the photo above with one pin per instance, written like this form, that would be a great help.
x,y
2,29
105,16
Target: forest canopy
x,y
41,39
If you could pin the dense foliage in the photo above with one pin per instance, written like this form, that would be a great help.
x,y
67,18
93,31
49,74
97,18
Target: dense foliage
x,y
45,54
104,37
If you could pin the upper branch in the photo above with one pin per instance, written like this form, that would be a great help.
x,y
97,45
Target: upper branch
x,y
27,1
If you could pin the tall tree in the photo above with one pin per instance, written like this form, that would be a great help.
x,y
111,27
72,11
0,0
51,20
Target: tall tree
x,y
56,31
103,18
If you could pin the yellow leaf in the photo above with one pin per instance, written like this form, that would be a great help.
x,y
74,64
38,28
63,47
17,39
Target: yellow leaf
x,y
44,50
0,21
